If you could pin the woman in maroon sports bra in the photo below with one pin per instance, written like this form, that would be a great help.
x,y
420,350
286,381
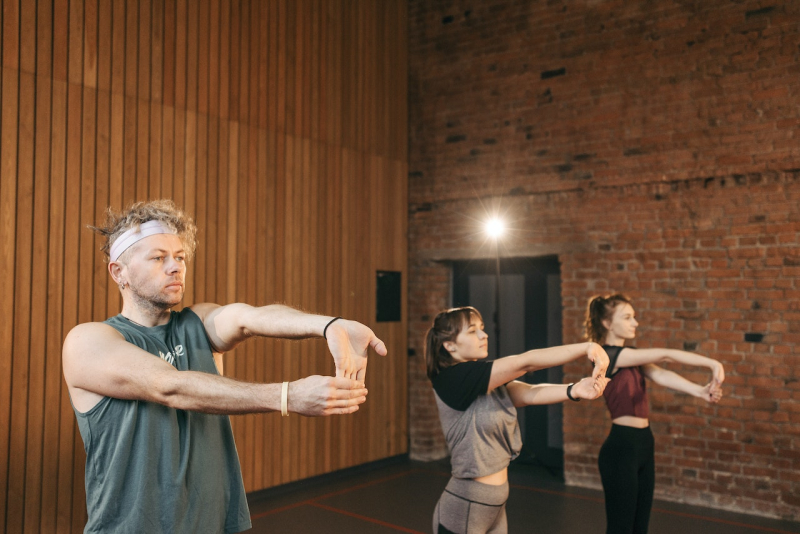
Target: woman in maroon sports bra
x,y
626,461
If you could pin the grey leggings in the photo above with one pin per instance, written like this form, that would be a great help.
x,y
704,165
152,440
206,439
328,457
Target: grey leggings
x,y
469,507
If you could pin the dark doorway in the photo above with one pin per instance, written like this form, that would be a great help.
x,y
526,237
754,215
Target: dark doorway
x,y
529,318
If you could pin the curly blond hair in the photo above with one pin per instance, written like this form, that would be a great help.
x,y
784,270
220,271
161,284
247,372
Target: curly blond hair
x,y
164,211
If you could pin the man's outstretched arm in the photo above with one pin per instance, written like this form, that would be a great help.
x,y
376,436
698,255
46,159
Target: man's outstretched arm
x,y
348,341
98,362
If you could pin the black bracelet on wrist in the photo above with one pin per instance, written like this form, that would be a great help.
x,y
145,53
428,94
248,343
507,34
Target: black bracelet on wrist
x,y
325,330
569,393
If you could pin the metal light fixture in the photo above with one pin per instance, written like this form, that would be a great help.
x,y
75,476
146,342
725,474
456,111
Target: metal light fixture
x,y
495,229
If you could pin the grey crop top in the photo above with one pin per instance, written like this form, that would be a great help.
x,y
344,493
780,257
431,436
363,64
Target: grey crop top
x,y
480,428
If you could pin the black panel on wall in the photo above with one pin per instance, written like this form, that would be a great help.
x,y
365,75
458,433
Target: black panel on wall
x,y
388,295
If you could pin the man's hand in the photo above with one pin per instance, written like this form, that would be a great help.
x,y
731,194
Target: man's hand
x,y
349,342
589,388
598,355
326,395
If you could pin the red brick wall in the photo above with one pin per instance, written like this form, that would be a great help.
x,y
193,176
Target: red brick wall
x,y
654,147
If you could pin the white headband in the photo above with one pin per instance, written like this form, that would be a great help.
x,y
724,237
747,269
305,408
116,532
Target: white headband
x,y
132,235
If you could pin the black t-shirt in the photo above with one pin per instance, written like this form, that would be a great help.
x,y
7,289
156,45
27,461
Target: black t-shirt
x,y
460,384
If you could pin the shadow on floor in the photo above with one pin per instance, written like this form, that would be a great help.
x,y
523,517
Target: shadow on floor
x,y
399,496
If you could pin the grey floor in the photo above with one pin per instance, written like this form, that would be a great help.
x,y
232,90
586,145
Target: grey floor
x,y
399,496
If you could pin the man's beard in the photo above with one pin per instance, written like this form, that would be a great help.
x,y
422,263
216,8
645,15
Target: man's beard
x,y
154,303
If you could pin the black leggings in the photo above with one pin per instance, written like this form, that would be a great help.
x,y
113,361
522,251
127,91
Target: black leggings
x,y
627,468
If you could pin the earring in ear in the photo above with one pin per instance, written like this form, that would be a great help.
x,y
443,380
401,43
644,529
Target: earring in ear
x,y
121,286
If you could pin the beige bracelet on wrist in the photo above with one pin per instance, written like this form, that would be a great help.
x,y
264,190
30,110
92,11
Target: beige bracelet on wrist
x,y
285,399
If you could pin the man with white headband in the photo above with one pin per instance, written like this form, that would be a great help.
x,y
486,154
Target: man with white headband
x,y
151,404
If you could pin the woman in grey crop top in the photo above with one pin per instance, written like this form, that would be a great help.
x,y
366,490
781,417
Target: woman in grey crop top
x,y
627,459
477,400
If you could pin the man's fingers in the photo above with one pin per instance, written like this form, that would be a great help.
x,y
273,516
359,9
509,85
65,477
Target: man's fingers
x,y
348,401
378,346
348,393
344,405
346,370
340,411
327,395
340,382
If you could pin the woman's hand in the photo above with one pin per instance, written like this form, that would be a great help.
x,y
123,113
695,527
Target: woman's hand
x,y
712,392
717,373
598,356
589,388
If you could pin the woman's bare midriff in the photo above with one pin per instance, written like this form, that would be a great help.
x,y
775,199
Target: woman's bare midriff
x,y
629,420
495,479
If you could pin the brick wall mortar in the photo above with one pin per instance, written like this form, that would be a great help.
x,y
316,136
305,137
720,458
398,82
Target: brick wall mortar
x,y
664,169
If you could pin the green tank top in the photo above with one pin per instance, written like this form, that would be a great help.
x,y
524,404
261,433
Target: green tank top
x,y
155,469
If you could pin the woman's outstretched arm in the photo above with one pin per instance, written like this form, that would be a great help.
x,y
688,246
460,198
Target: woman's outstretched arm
x,y
711,392
504,370
523,394
636,357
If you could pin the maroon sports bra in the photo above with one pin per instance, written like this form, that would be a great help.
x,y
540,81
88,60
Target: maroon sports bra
x,y
626,393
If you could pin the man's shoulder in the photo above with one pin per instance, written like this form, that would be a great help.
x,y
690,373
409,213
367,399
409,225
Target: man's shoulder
x,y
89,331
92,327
201,309
86,336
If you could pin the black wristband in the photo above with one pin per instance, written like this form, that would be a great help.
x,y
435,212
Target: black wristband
x,y
325,330
569,393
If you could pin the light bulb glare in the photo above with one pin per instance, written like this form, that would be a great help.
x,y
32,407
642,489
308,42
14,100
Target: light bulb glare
x,y
495,228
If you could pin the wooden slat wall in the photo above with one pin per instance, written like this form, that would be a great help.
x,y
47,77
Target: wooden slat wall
x,y
280,125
